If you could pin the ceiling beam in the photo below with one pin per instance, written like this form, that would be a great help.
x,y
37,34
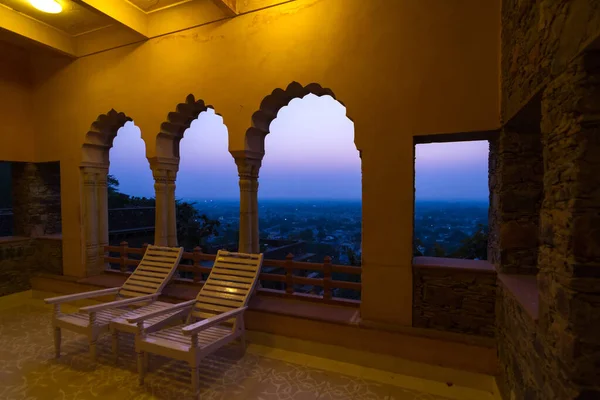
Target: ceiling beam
x,y
229,6
123,12
36,31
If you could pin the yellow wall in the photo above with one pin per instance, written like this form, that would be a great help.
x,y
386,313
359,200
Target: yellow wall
x,y
16,105
402,68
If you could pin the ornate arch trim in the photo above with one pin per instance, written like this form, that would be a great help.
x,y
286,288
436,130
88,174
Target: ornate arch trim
x,y
178,121
100,137
270,106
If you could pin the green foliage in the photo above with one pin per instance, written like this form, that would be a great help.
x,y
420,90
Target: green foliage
x,y
474,247
193,228
306,235
416,244
438,250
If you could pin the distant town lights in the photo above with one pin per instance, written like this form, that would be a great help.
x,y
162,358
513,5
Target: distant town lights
x,y
47,6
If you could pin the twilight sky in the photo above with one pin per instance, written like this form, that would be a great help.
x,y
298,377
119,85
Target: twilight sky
x,y
310,154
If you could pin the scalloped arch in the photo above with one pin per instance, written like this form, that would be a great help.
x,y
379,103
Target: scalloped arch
x,y
101,135
171,131
270,106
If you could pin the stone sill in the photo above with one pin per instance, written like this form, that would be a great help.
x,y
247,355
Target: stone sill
x,y
525,290
13,239
55,236
17,239
457,264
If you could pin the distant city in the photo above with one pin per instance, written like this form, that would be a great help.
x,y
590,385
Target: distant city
x,y
334,226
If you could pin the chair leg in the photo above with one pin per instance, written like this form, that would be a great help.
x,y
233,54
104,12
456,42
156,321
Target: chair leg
x,y
141,369
57,339
146,361
93,352
115,344
195,380
243,343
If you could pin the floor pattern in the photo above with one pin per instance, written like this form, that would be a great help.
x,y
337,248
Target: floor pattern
x,y
28,371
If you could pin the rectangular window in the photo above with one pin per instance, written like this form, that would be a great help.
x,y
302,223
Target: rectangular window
x,y
451,199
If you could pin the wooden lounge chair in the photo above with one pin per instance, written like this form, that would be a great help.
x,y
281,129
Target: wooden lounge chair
x,y
214,318
142,287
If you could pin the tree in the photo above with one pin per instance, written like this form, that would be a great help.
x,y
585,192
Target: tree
x,y
416,244
321,235
193,228
475,246
306,235
438,250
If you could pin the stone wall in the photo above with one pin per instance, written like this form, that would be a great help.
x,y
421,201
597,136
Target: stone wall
x,y
516,173
21,258
539,38
454,299
36,199
569,259
525,372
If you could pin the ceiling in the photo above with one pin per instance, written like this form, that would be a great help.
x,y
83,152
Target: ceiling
x,y
153,5
87,27
75,19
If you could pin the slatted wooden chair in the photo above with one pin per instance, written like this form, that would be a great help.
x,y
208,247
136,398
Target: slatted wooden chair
x,y
141,289
214,318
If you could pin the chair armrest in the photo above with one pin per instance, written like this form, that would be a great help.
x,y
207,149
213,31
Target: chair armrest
x,y
80,296
207,323
152,314
118,303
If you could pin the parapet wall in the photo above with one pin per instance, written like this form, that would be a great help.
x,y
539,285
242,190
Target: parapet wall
x,y
454,295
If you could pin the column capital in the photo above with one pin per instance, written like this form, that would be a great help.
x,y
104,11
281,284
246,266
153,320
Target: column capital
x,y
164,170
93,174
248,164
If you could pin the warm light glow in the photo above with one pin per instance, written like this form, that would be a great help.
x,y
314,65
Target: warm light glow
x,y
49,6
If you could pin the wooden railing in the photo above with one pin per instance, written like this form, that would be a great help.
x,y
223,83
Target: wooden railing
x,y
285,282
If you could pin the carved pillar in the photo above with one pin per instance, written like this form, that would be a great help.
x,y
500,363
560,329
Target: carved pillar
x,y
102,205
248,166
164,172
94,217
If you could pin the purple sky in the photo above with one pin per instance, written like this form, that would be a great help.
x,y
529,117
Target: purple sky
x,y
310,153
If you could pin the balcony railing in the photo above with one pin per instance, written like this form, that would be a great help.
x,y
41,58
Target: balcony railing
x,y
278,277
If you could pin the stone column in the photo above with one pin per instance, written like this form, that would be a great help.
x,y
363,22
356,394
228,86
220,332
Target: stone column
x,y
94,216
164,172
569,255
248,164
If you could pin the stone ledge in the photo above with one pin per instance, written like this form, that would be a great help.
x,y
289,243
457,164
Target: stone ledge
x,y
55,236
13,239
454,263
525,291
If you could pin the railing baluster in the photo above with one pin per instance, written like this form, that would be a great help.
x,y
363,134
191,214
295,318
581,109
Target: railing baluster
x,y
197,274
123,254
327,278
289,276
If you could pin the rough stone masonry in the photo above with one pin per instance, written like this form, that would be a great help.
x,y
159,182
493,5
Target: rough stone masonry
x,y
455,300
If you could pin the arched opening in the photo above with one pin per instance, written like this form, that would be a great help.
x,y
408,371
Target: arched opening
x,y
130,189
207,190
94,194
310,189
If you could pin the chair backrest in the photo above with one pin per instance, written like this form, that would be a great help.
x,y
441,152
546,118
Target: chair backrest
x,y
154,271
230,284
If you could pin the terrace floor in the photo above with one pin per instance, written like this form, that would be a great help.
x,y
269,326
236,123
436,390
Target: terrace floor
x,y
29,371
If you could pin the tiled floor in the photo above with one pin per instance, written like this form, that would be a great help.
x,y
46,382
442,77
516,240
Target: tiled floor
x,y
29,371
